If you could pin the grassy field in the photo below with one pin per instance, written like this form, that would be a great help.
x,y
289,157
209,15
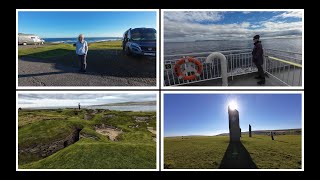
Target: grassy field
x,y
135,147
207,152
57,50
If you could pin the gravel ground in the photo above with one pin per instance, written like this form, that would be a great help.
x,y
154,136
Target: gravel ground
x,y
105,68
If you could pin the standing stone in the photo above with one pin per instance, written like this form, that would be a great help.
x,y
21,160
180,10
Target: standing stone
x,y
271,134
234,128
250,135
240,132
79,106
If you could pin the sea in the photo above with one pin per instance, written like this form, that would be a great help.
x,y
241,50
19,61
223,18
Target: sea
x,y
285,44
125,108
88,39
117,108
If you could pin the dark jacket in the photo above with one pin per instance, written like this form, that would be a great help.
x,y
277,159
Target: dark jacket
x,y
257,53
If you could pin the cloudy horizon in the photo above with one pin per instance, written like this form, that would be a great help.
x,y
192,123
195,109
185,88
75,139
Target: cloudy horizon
x,y
182,26
31,100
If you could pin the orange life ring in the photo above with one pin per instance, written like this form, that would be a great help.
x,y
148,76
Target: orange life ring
x,y
180,74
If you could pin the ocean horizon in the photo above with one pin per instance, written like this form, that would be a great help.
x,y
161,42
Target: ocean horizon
x,y
73,40
284,44
117,108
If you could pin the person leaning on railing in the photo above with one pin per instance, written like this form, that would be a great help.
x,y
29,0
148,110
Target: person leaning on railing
x,y
257,58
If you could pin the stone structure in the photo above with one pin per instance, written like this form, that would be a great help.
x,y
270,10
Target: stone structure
x,y
234,127
44,150
250,135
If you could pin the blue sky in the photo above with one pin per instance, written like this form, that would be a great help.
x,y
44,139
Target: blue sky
x,y
91,24
220,25
207,114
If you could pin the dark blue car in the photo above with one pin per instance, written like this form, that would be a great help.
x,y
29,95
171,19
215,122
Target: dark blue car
x,y
140,41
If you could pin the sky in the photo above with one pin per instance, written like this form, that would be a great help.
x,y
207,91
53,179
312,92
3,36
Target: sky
x,y
31,100
207,114
229,25
53,24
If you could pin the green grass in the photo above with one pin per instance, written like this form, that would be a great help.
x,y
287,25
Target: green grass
x,y
207,152
90,154
67,50
106,45
54,50
135,148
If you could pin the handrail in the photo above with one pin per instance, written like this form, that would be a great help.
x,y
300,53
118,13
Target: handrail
x,y
224,65
285,61
239,50
284,51
283,68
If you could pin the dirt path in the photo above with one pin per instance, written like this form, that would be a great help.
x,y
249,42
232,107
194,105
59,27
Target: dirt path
x,y
153,132
111,133
102,70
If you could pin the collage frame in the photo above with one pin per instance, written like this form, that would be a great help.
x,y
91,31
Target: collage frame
x,y
160,90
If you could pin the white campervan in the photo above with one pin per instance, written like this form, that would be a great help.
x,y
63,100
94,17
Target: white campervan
x,y
25,39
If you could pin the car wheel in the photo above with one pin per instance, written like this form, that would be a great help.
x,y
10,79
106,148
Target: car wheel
x,y
24,43
128,52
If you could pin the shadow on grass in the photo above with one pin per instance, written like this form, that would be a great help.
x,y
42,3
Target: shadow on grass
x,y
106,62
237,157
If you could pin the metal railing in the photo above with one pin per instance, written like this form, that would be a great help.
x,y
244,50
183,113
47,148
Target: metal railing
x,y
283,66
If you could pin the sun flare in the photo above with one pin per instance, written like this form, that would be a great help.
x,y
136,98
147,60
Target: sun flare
x,y
233,105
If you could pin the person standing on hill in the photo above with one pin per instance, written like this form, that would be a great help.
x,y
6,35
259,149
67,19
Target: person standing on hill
x,y
257,58
82,50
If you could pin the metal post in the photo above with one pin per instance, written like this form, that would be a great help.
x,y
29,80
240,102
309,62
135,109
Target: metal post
x,y
224,66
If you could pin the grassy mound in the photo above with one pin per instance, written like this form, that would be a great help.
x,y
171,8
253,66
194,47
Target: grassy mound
x,y
135,147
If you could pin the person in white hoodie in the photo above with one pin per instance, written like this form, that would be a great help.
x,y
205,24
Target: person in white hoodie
x,y
82,51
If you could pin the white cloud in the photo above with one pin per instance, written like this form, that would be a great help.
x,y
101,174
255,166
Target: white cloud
x,y
72,99
193,16
295,14
255,26
246,12
181,28
245,24
274,26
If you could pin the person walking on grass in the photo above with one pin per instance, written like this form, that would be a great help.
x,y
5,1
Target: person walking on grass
x,y
257,58
82,50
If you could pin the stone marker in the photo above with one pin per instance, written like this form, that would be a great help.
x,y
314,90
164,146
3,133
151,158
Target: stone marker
x,y
271,134
250,135
234,128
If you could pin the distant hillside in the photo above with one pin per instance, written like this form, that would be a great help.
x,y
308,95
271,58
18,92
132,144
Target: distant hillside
x,y
144,103
265,132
